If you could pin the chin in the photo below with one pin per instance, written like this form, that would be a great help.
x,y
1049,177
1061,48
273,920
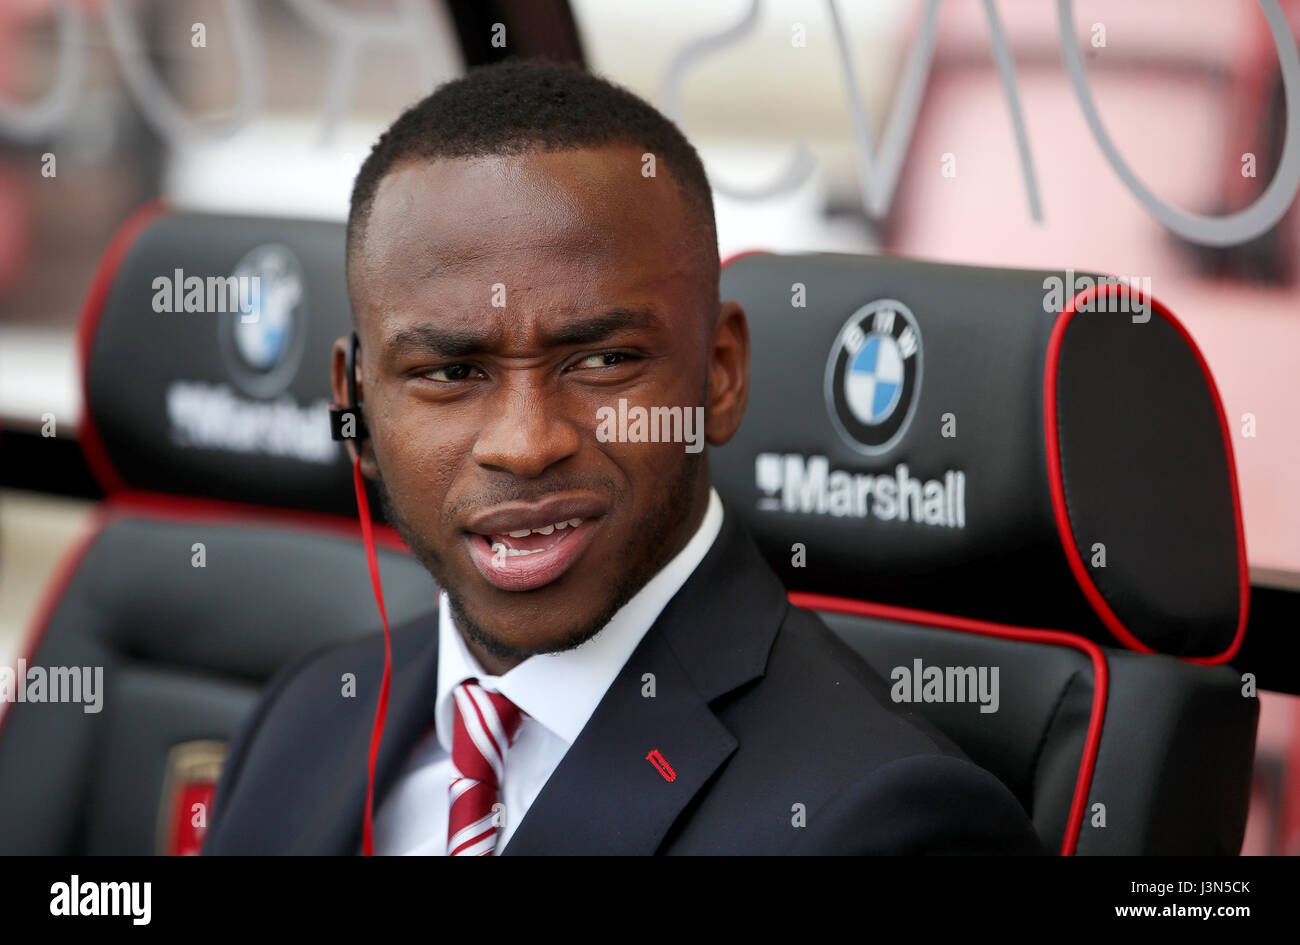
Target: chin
x,y
494,627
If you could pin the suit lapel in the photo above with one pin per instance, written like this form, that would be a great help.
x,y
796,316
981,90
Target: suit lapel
x,y
413,691
607,796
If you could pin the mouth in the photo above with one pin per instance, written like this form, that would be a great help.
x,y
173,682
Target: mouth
x,y
524,546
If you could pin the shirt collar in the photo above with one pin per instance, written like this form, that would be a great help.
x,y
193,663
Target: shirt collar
x,y
562,690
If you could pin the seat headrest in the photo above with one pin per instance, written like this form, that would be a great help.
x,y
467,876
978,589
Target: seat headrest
x,y
206,346
1030,447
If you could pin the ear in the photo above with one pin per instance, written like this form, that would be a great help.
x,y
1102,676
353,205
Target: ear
x,y
728,374
339,384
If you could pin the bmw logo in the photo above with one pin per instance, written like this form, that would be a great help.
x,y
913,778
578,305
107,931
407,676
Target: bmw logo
x,y
263,346
873,375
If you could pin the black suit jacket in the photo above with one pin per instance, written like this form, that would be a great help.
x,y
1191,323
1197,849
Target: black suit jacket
x,y
758,708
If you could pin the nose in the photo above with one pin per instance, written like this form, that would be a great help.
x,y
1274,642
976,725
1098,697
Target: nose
x,y
524,433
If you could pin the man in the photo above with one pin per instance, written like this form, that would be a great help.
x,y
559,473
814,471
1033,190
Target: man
x,y
612,667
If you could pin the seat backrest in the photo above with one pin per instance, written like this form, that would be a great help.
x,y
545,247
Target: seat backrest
x,y
228,545
1013,493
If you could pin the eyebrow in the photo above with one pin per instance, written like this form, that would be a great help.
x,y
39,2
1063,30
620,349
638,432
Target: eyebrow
x,y
453,343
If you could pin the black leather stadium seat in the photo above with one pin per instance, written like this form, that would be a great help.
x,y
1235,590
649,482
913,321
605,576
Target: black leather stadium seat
x,y
209,439
976,468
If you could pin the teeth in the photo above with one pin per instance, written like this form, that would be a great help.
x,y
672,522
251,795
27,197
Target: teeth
x,y
546,529
501,550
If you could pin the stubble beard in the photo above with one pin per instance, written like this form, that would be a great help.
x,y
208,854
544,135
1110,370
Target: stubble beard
x,y
649,550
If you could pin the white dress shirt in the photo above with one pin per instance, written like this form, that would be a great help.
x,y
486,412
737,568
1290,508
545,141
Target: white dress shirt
x,y
558,691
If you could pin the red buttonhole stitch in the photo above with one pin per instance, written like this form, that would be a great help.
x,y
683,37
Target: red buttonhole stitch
x,y
661,765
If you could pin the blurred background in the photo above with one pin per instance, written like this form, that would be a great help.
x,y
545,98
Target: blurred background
x,y
945,131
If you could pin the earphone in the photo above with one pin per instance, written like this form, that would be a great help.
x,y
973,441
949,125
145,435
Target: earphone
x,y
352,409
339,416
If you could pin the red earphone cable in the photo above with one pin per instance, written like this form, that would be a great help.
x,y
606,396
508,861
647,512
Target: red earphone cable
x,y
381,712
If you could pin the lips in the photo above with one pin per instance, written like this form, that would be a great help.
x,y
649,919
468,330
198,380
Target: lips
x,y
523,546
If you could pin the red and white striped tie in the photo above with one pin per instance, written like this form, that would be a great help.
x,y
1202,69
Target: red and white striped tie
x,y
486,723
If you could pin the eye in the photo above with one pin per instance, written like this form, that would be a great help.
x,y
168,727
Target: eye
x,y
605,359
452,372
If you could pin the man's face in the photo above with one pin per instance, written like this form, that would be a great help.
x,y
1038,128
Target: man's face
x,y
502,302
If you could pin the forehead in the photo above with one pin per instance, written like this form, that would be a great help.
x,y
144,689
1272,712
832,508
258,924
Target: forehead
x,y
555,227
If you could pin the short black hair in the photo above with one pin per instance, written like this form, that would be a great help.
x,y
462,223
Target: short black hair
x,y
522,105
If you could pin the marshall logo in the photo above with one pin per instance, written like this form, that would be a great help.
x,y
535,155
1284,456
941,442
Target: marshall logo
x,y
873,376
808,486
